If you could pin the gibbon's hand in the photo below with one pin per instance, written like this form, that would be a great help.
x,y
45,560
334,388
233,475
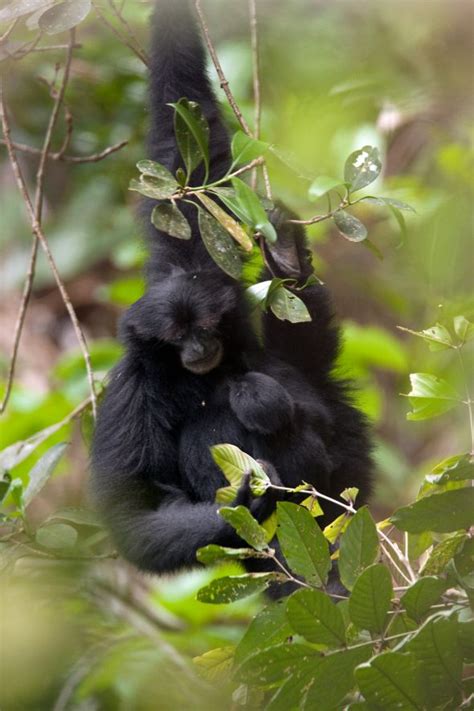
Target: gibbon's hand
x,y
260,507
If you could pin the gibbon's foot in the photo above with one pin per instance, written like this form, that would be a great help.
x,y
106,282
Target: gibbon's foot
x,y
289,257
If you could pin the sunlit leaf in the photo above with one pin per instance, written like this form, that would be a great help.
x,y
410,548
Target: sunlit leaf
x,y
216,664
227,222
349,226
362,168
234,463
457,468
430,396
64,16
220,245
334,529
169,218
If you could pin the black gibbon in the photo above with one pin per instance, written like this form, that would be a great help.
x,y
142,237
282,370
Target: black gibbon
x,y
195,375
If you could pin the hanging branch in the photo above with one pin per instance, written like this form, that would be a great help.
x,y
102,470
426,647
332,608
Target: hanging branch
x,y
59,156
35,215
136,49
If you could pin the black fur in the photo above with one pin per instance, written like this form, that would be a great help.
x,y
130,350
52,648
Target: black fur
x,y
153,476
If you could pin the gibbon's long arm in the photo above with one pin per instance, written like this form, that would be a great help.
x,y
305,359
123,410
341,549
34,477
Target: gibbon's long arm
x,y
177,70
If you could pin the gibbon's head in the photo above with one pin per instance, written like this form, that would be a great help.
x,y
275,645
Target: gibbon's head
x,y
192,313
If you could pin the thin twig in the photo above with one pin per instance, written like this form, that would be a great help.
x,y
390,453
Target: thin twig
x,y
256,67
136,50
93,158
133,38
9,30
38,232
220,73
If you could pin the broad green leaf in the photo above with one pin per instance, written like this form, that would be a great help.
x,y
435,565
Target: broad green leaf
x,y
362,168
333,678
441,513
236,587
226,494
369,602
234,463
168,218
64,16
18,8
277,663
212,554
393,681
152,187
250,206
215,665
313,615
227,222
466,638
336,527
220,245
418,543
436,647
463,328
430,396
246,526
359,547
290,694
245,148
443,553
288,307
438,336
302,543
192,135
42,471
153,169
268,628
56,536
78,516
421,596
349,226
322,185
457,468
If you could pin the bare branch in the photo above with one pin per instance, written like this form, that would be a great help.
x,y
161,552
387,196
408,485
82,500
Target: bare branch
x,y
138,51
133,38
35,214
93,158
256,66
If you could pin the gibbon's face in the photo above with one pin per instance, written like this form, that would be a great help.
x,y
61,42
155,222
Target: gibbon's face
x,y
191,307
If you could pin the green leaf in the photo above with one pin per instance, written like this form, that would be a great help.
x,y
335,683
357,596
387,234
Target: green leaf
x,y
314,507
168,218
153,169
463,328
443,553
228,223
302,543
349,226
152,187
333,678
124,292
322,185
20,8
245,148
421,596
220,245
212,554
359,547
430,396
389,202
334,529
234,463
441,513
438,337
251,208
78,516
57,536
288,307
362,168
274,664
313,615
350,494
369,602
268,628
436,647
457,468
64,16
236,587
246,526
5,482
393,681
192,135
215,665
42,471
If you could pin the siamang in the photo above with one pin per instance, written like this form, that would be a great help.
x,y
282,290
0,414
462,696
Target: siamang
x,y
194,374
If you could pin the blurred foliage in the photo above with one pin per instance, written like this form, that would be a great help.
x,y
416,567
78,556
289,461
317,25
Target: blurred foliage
x,y
90,634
